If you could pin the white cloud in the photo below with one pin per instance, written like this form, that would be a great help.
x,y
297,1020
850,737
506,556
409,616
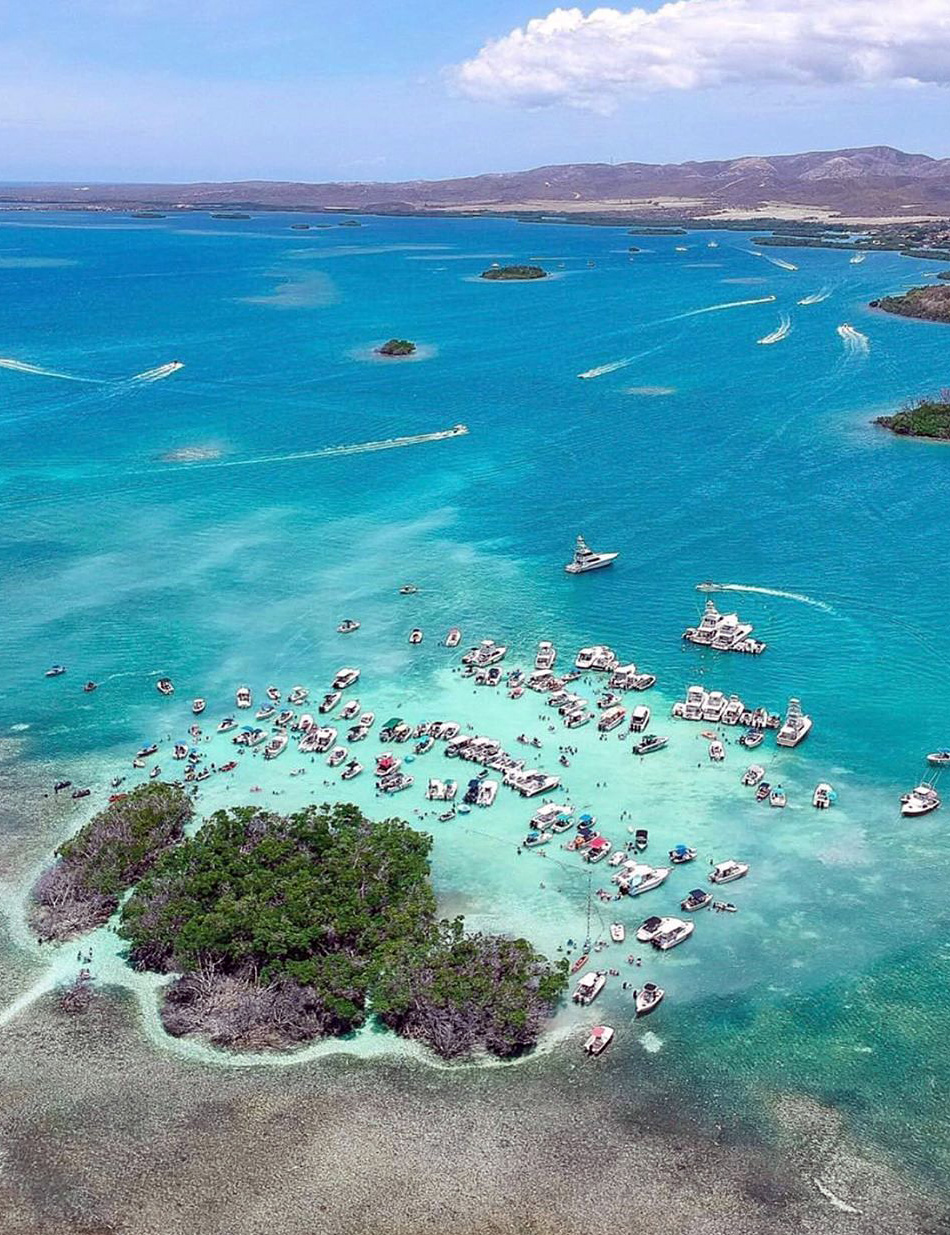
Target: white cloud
x,y
587,60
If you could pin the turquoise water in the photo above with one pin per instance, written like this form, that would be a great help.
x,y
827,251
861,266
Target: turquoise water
x,y
701,456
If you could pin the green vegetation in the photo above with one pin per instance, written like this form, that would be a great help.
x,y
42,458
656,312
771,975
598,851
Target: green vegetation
x,y
928,418
930,304
458,991
514,273
286,928
397,347
106,857
648,230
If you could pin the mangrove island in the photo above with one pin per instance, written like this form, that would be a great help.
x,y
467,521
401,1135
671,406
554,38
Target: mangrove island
x,y
514,274
927,418
929,304
397,347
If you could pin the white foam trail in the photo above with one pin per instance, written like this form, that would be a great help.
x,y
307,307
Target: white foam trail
x,y
332,452
783,331
816,297
612,367
19,366
856,343
775,261
40,988
766,591
156,375
859,258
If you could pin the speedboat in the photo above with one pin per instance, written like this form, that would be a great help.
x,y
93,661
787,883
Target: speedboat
x,y
165,686
717,752
367,719
795,727
408,589
273,694
641,839
298,695
647,998
753,774
648,744
336,756
939,758
778,798
546,656
639,718
618,932
487,653
89,687
329,701
600,1038
487,792
752,738
642,681
147,750
699,898
423,747
585,559
155,772
415,635
345,677
589,987
920,801
242,696
276,746
726,872
611,719
642,879
823,797
349,710
762,791
681,854
535,838
265,711
198,706
55,671
650,927
677,931
228,723
453,638
598,849
347,626
352,769
180,750
284,718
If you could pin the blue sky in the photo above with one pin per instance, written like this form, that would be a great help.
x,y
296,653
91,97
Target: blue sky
x,y
312,90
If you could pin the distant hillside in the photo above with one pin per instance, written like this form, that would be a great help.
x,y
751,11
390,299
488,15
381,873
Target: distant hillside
x,y
873,183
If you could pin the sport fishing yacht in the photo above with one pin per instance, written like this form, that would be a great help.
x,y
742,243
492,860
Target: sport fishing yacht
x,y
796,726
546,656
648,744
345,678
585,559
920,801
639,718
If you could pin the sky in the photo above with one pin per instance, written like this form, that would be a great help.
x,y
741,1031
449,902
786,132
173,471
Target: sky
x,y
185,90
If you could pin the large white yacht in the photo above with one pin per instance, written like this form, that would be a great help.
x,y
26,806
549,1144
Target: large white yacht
x,y
677,932
600,658
586,559
487,653
547,655
796,726
920,801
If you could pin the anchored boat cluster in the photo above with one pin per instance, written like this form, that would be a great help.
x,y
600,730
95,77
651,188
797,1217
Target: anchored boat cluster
x,y
724,632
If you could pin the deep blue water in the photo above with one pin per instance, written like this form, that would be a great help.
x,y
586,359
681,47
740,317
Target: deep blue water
x,y
706,456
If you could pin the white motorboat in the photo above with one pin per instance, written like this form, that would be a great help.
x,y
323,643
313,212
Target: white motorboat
x,y
611,719
329,701
726,872
653,926
618,932
823,797
242,696
717,752
585,559
920,801
435,790
228,723
336,756
732,712
273,694
284,718
676,932
639,718
795,727
589,987
641,878
753,774
600,1038
276,746
366,720
578,717
939,758
345,678
352,769
415,635
487,653
298,695
699,898
453,638
306,722
598,849
198,706
487,792
649,997
180,750
546,656
778,798
347,626
349,710
164,686
714,706
681,854
265,711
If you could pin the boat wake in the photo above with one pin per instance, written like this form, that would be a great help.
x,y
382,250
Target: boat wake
x,y
766,591
782,332
156,374
816,297
775,261
858,259
856,343
614,365
19,366
333,452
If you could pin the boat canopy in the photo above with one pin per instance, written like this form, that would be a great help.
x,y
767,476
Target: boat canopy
x,y
598,842
393,722
680,849
697,894
586,819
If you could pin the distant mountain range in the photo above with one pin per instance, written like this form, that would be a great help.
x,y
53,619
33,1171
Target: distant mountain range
x,y
874,183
